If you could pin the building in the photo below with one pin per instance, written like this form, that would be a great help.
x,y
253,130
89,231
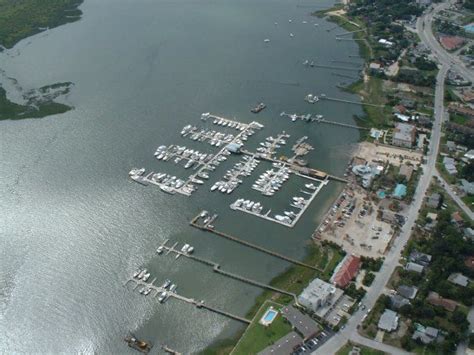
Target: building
x,y
285,345
451,146
385,42
434,200
469,233
469,28
234,148
407,291
300,322
404,135
414,267
457,219
436,300
469,155
458,279
469,262
406,171
425,334
317,294
451,43
450,165
461,110
346,271
420,258
388,321
467,187
397,301
375,68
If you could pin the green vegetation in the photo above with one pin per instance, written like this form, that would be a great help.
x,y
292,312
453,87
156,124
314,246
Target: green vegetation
x,y
368,279
324,255
22,18
11,110
364,350
257,337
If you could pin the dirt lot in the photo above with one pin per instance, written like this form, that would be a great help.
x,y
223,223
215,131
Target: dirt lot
x,y
352,223
396,156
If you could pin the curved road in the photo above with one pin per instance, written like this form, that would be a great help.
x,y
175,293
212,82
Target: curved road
x,y
429,170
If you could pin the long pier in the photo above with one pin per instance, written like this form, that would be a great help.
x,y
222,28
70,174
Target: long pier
x,y
324,97
251,245
348,33
335,67
217,269
347,125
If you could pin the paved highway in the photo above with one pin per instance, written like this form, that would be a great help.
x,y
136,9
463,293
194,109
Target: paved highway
x,y
454,196
392,258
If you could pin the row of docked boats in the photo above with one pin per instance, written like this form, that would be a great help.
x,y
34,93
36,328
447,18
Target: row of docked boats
x,y
231,179
271,180
247,205
214,138
179,153
224,122
271,143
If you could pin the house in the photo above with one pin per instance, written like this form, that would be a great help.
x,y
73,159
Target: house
x,y
434,200
388,321
285,345
300,322
406,171
451,146
389,217
469,155
397,301
469,233
375,68
400,109
451,43
461,110
317,294
469,262
450,165
467,187
414,267
425,334
385,43
433,217
407,291
456,219
404,135
458,279
467,96
420,258
436,300
346,271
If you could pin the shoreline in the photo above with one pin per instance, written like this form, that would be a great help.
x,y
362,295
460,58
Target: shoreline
x,y
23,21
228,345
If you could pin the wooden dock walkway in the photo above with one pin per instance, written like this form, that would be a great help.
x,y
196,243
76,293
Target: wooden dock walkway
x,y
336,67
217,268
324,97
251,245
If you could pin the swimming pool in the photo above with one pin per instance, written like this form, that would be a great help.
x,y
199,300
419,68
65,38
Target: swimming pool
x,y
269,316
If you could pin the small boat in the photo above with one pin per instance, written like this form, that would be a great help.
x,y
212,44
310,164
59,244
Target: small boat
x,y
292,35
185,248
160,250
136,273
166,283
167,189
173,287
163,296
139,345
146,276
190,250
258,108
142,273
147,291
266,40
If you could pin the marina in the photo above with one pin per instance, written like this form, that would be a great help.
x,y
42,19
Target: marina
x,y
202,163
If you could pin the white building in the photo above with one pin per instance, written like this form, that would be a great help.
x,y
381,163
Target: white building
x,y
317,294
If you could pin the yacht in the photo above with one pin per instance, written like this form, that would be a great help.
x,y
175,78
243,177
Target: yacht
x,y
167,189
163,296
292,35
160,250
310,186
142,273
166,283
146,276
266,40
185,248
147,291
190,250
173,287
136,273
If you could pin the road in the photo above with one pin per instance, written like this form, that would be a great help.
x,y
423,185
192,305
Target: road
x,y
392,258
425,31
454,196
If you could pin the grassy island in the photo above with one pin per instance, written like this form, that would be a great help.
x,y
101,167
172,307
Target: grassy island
x,y
20,19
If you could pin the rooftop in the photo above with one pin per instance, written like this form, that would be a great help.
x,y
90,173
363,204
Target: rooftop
x,y
304,324
388,320
285,345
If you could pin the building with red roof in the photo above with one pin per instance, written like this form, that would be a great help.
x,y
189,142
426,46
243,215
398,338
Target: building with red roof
x,y
451,42
346,271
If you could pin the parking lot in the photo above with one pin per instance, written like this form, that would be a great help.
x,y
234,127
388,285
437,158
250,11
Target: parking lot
x,y
313,344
